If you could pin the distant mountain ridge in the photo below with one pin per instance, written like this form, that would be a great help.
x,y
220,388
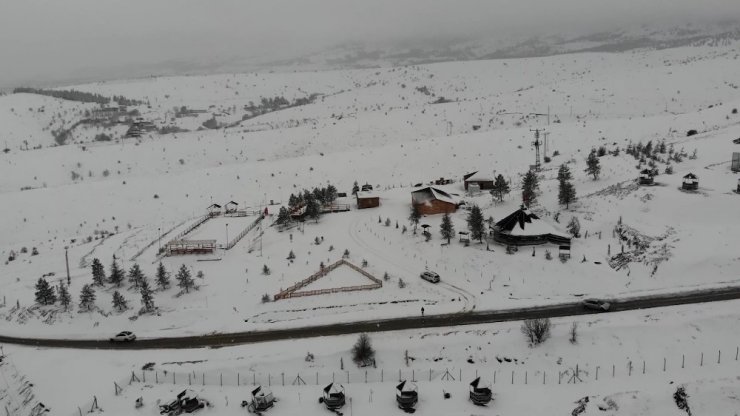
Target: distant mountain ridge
x,y
356,55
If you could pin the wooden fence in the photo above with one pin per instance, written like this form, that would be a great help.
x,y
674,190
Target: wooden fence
x,y
292,291
244,232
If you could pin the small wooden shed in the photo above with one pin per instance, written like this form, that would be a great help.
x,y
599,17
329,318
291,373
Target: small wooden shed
x,y
367,199
214,210
483,181
230,206
690,182
646,177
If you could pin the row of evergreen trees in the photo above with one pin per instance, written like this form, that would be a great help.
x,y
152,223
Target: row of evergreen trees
x,y
312,200
47,295
79,96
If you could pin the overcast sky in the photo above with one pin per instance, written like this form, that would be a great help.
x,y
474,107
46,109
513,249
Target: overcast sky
x,y
47,41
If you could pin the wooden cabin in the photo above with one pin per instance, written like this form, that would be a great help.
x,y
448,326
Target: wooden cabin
x,y
690,182
214,210
646,177
484,182
230,207
523,228
735,167
431,200
367,199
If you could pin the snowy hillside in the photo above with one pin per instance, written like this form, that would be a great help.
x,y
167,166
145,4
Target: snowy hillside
x,y
390,128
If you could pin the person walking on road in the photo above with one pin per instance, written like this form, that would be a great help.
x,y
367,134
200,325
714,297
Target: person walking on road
x,y
422,311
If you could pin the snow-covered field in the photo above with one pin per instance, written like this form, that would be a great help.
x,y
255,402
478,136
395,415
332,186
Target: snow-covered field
x,y
680,335
100,199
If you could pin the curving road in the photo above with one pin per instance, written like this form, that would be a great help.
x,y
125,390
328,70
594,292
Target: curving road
x,y
395,324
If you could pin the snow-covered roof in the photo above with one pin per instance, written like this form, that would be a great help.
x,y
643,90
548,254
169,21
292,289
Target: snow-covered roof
x,y
423,195
690,176
524,223
406,387
367,194
334,388
479,177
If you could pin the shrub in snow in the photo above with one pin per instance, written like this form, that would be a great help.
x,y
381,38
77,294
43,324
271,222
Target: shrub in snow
x,y
331,248
363,353
537,331
387,222
291,255
309,357
682,400
265,270
265,298
691,132
200,274
364,263
87,297
401,284
346,254
574,227
386,277
548,255
574,333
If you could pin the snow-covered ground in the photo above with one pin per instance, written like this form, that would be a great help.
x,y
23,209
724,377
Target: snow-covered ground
x,y
681,335
128,197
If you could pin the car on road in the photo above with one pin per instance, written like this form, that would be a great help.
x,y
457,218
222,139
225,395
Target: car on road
x,y
596,304
430,276
124,336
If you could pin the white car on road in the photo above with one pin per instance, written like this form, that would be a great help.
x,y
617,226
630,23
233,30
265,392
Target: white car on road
x,y
124,336
430,276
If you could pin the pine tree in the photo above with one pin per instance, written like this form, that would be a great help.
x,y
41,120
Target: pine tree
x,y
163,278
566,190
135,276
283,216
64,297
184,280
87,297
500,188
119,302
447,228
313,210
574,227
593,166
355,188
147,295
44,292
116,274
330,194
530,184
476,223
414,216
98,272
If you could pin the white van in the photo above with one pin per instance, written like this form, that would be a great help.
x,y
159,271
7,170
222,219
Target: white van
x,y
430,276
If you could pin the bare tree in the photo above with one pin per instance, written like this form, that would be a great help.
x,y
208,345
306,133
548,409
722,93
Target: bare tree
x,y
574,333
537,331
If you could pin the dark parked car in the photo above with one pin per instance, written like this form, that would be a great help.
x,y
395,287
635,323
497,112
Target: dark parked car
x,y
596,304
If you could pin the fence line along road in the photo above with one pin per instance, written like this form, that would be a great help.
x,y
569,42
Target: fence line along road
x,y
392,324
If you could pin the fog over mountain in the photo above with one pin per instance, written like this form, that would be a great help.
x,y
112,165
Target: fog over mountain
x,y
48,42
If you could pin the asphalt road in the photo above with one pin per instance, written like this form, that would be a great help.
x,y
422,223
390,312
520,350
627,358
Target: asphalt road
x,y
395,324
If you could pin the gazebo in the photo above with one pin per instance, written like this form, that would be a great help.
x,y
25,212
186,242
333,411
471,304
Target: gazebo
x,y
333,396
407,395
690,182
480,392
522,228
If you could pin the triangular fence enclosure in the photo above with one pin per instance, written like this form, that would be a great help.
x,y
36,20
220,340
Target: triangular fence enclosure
x,y
295,290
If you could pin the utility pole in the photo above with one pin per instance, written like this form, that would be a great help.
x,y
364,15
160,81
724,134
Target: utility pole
x,y
66,259
159,239
227,236
537,144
